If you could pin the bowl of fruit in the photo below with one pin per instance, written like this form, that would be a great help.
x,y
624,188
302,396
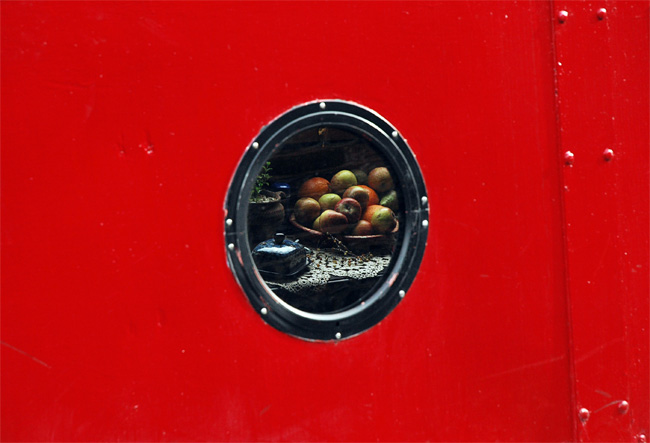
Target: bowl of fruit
x,y
348,206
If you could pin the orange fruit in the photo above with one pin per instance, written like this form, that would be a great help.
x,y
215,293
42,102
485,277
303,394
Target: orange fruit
x,y
314,187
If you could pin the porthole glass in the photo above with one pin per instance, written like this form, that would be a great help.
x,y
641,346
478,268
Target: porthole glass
x,y
326,220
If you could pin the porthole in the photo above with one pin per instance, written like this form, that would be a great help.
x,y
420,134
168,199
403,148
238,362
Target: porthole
x,y
326,220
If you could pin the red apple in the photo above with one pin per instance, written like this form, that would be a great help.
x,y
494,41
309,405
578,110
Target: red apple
x,y
332,222
374,198
358,193
350,208
362,228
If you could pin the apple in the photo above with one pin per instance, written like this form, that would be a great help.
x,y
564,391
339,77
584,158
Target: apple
x,y
329,201
370,211
306,210
332,222
380,180
342,180
316,225
383,220
350,208
358,193
373,197
362,177
362,228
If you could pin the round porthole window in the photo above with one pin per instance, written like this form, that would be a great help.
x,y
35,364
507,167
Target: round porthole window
x,y
326,220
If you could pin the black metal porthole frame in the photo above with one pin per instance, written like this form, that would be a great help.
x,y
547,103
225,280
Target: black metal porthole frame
x,y
406,260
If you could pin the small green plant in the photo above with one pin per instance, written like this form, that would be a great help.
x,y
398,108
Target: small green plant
x,y
261,182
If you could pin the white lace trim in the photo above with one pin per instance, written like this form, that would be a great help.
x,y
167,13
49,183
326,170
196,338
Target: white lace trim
x,y
325,265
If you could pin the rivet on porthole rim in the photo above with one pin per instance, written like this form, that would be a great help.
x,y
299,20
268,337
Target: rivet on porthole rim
x,y
264,311
425,223
402,293
424,200
255,145
338,336
229,222
322,105
395,134
231,246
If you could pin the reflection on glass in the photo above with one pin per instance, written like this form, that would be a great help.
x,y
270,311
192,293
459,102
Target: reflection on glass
x,y
324,219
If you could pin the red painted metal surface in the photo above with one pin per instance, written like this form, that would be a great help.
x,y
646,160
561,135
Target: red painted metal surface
x,y
603,70
122,124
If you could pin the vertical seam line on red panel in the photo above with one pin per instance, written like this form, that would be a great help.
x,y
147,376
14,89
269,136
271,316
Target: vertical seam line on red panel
x,y
563,218
624,283
615,190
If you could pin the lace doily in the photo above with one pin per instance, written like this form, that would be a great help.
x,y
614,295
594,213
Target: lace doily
x,y
327,265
